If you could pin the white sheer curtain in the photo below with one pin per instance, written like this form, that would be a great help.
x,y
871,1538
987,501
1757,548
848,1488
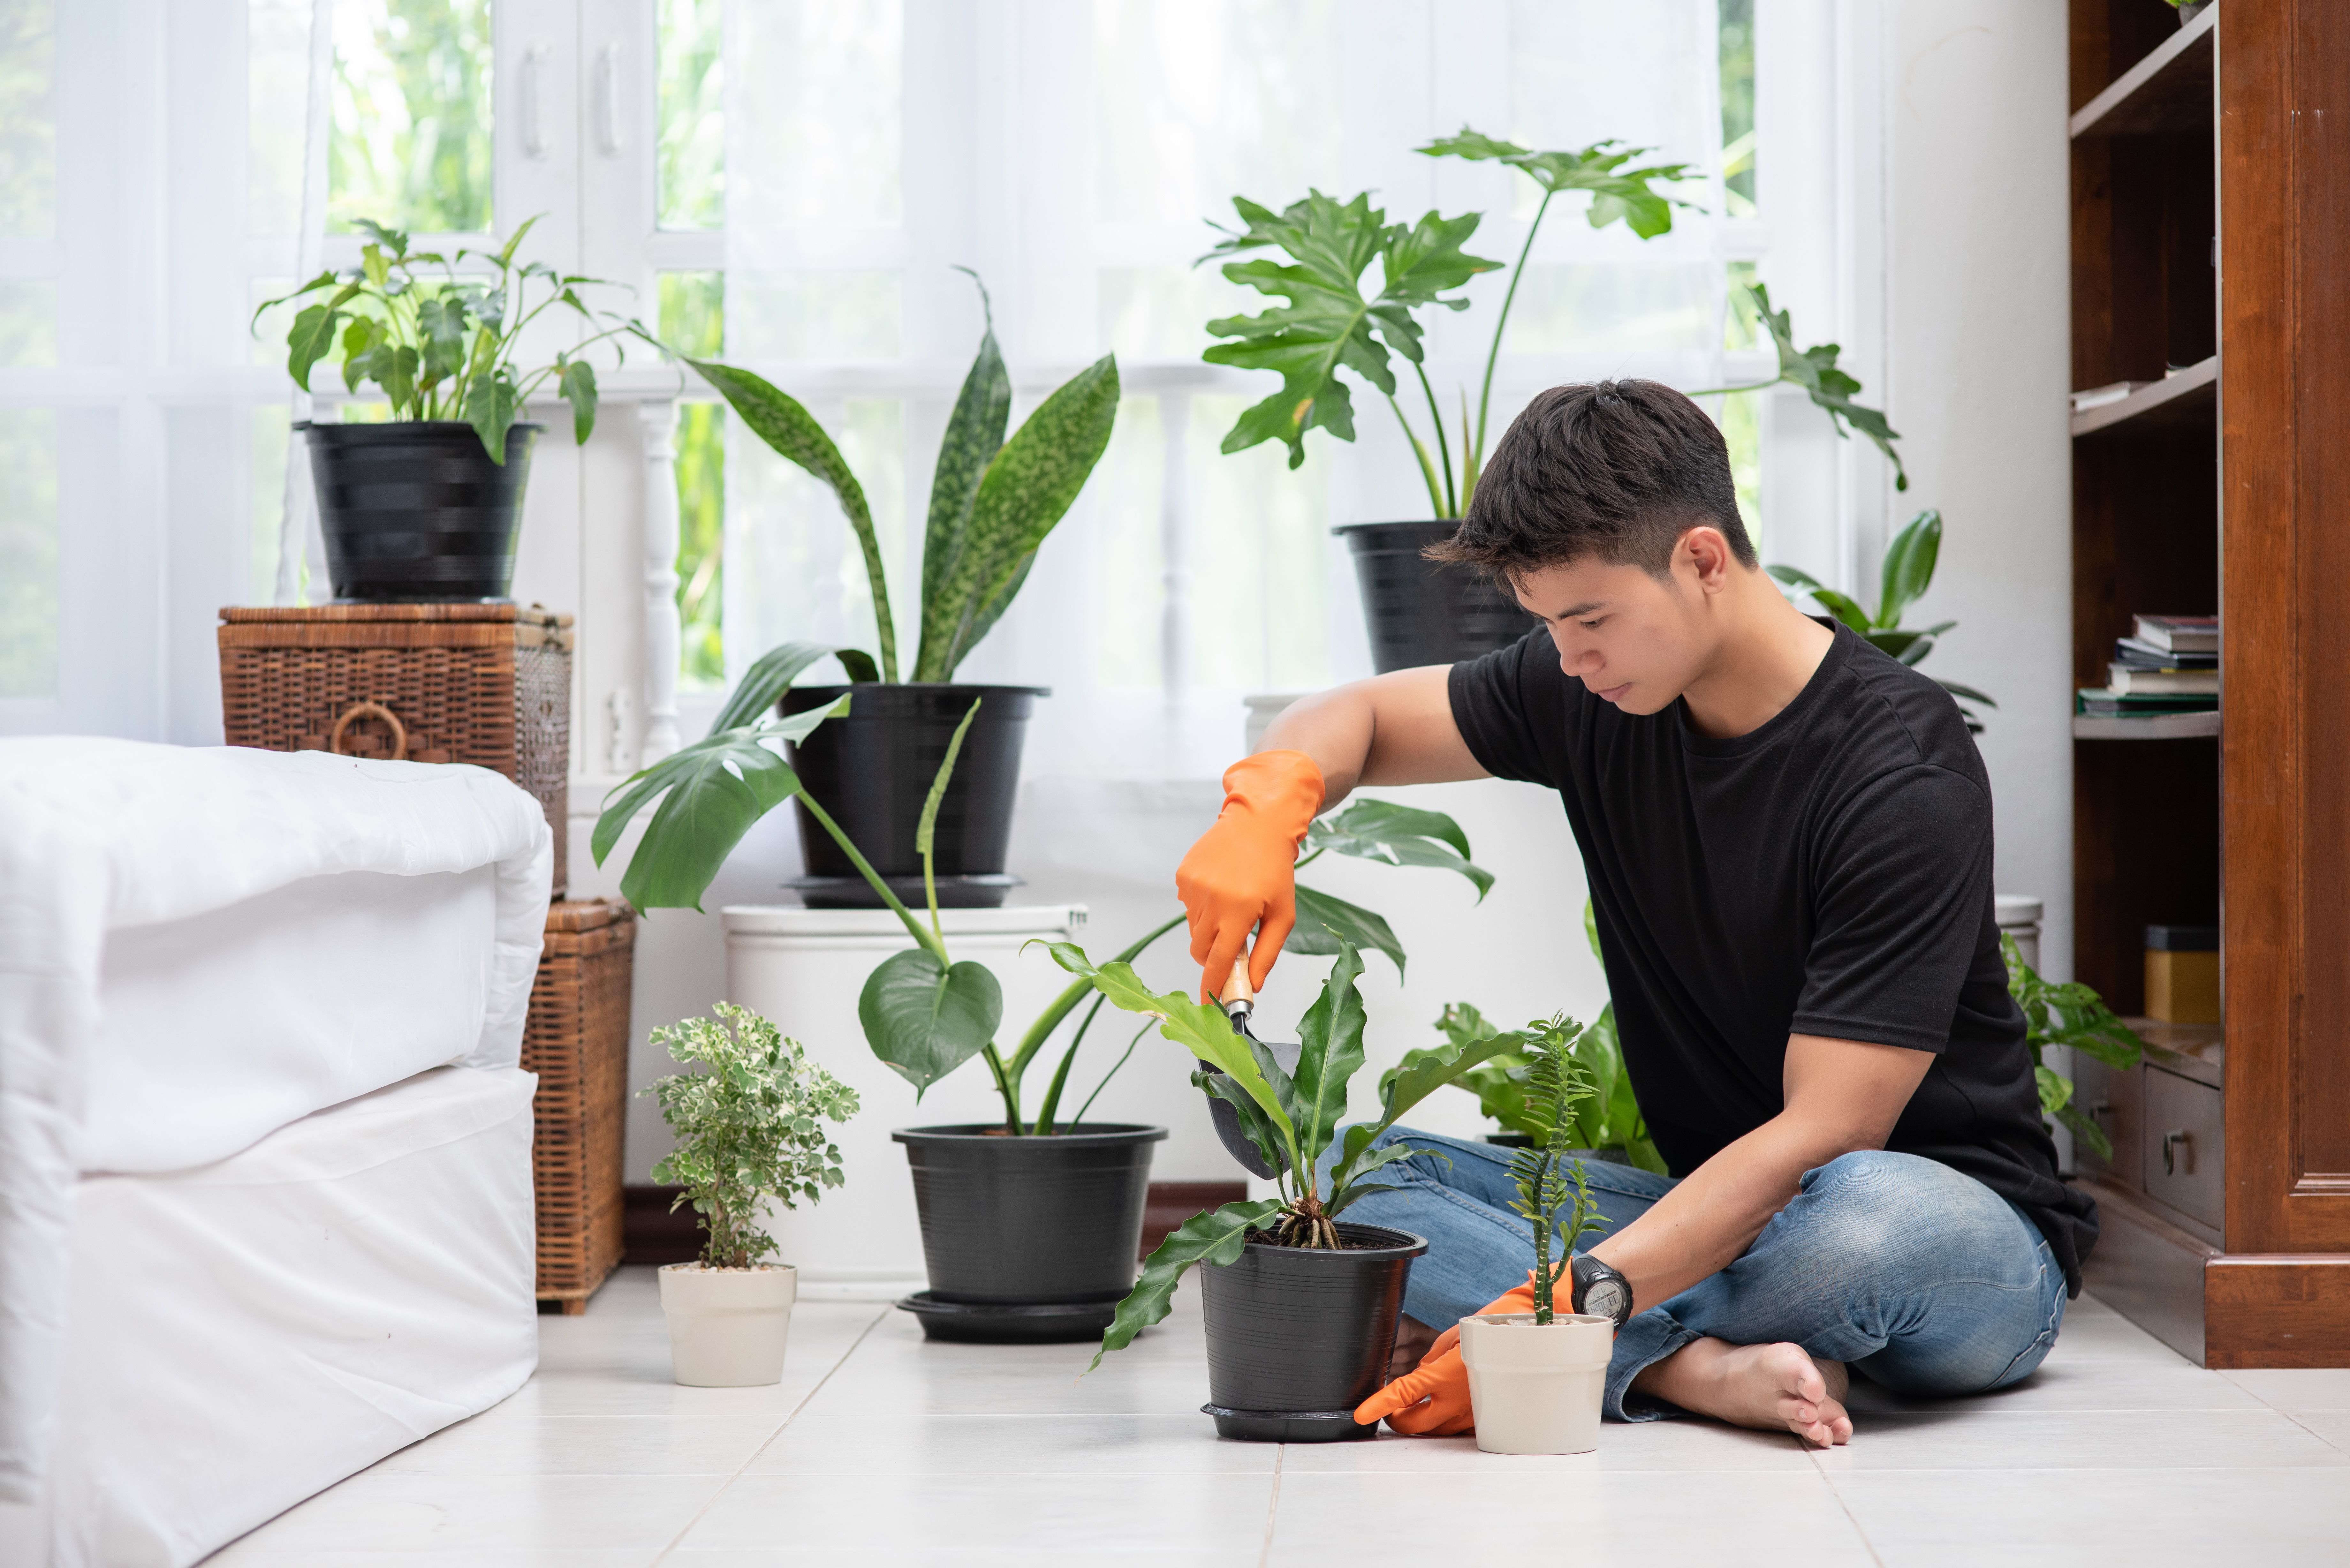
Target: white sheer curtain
x,y
1069,151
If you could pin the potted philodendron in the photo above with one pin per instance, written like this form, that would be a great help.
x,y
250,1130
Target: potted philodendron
x,y
749,1129
1536,1378
426,506
1030,1225
994,500
1416,611
1301,1303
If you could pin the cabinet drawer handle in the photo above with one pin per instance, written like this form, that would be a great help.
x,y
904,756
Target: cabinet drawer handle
x,y
2185,1145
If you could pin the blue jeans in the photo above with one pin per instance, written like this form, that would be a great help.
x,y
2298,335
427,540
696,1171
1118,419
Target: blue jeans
x,y
1916,1275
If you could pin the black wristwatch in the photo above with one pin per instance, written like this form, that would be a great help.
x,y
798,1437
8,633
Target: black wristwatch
x,y
1600,1290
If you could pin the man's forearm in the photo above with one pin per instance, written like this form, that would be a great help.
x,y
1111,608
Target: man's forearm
x,y
1393,729
1334,728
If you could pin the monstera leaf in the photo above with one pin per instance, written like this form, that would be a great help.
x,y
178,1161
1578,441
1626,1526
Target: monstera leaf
x,y
1329,324
1618,193
1814,370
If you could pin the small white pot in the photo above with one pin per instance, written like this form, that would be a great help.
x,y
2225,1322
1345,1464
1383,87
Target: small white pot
x,y
727,1327
1535,1389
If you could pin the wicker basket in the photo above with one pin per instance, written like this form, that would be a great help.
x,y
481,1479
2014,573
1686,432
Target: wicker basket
x,y
487,684
577,1043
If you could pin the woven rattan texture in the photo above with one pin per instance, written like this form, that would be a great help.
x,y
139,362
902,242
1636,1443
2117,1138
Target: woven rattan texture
x,y
493,693
577,1041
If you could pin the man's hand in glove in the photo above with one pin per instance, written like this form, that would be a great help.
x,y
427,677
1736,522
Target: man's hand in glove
x,y
1239,875
1433,1401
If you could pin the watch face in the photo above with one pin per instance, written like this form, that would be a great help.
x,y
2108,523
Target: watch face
x,y
1607,1298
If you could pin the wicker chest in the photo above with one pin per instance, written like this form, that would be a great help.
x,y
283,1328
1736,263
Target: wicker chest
x,y
577,1043
486,684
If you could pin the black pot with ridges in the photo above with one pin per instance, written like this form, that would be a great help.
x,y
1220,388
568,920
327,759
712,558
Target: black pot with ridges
x,y
871,771
415,511
1417,611
1298,1336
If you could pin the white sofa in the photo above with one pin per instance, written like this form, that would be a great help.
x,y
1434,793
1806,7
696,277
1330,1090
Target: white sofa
x,y
265,1146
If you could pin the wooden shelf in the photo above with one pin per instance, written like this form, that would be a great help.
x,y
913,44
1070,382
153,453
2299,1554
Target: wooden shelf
x,y
2197,1050
2188,401
2153,727
2169,90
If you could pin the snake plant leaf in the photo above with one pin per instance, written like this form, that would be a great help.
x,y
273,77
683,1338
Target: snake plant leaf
x,y
975,435
1027,488
1324,922
1618,193
925,1018
1218,1236
578,388
1200,1029
1327,324
1909,562
490,409
1814,370
764,684
1398,835
717,788
1330,1040
988,613
777,418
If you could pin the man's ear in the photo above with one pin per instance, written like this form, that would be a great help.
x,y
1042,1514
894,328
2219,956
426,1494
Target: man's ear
x,y
1707,554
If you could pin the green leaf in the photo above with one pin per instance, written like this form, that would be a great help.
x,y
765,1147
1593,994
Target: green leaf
x,y
1845,609
717,788
1909,562
1354,1187
1255,1124
764,684
1831,390
1327,324
443,321
1203,1030
1418,1080
395,372
1330,1052
311,339
505,256
1966,693
577,387
1324,922
1618,193
1029,486
1398,835
1795,577
490,409
777,418
324,280
925,830
925,1018
1219,1236
974,434
857,664
393,240
2087,1130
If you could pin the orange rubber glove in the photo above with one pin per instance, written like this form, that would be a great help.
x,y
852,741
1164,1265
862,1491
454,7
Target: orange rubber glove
x,y
1433,1401
1240,876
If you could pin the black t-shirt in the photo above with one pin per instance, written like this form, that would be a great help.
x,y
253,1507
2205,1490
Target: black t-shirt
x,y
1829,874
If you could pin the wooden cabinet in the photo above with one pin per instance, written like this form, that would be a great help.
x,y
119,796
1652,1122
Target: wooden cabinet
x,y
2212,262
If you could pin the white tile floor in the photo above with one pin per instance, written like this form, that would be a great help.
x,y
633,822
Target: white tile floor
x,y
880,1448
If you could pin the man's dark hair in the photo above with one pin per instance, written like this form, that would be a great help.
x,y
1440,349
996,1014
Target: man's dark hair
x,y
1616,469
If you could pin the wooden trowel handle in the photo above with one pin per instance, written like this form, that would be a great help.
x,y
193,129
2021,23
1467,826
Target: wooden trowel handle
x,y
1237,987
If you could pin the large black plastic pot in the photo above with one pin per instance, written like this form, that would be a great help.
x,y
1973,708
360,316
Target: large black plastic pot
x,y
1418,611
1014,1225
416,511
1297,1337
872,770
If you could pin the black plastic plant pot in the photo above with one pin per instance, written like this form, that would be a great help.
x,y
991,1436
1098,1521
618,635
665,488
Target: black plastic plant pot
x,y
872,770
1011,1225
1418,611
416,511
1298,1336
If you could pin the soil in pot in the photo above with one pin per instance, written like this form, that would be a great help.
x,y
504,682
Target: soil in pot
x,y
1020,1222
1417,611
1298,1336
415,511
1535,1388
727,1328
872,772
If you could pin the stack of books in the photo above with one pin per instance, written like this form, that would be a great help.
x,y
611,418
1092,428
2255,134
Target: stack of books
x,y
2170,664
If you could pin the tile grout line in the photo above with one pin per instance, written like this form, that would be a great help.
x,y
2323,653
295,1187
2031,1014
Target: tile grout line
x,y
1273,1506
781,1426
1821,1470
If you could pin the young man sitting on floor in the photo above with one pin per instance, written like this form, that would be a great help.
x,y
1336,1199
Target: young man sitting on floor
x,y
1787,837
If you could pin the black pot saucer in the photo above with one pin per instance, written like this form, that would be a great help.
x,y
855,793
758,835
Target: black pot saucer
x,y
976,891
1290,1426
988,1323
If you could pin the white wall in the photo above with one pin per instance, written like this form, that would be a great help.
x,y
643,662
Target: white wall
x,y
1977,219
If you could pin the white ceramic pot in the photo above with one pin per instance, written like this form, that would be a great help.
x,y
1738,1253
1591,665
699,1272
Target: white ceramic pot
x,y
1535,1388
727,1327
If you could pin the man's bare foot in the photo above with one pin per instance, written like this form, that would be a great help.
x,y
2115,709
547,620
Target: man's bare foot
x,y
1411,1341
1766,1386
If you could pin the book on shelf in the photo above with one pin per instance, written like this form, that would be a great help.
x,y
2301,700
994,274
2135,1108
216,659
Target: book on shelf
x,y
2098,397
2179,633
2129,682
2101,702
2139,654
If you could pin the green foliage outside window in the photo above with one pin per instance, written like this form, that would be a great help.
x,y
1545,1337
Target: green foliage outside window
x,y
411,135
694,320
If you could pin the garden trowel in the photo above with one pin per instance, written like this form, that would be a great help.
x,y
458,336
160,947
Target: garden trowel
x,y
1240,1004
